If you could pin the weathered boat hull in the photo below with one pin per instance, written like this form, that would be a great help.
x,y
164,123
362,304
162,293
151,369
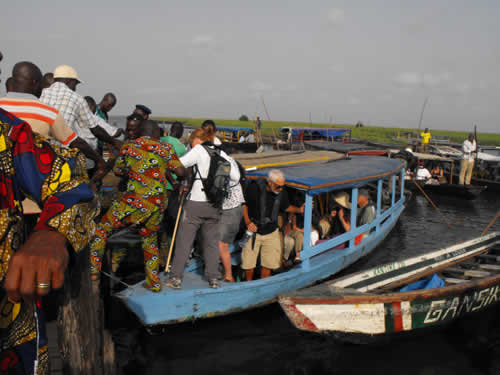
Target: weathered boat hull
x,y
365,320
351,314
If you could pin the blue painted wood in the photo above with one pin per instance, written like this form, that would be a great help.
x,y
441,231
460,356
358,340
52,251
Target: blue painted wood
x,y
393,200
196,300
354,215
380,187
402,185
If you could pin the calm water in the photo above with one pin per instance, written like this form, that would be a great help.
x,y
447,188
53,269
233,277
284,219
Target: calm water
x,y
262,341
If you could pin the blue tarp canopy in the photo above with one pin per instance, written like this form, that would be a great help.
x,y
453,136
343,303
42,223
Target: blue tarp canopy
x,y
354,171
318,132
233,129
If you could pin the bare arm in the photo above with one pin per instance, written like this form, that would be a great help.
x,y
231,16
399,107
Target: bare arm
x,y
88,151
250,225
101,134
295,209
345,223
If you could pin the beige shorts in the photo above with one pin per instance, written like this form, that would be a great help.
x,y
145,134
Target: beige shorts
x,y
269,247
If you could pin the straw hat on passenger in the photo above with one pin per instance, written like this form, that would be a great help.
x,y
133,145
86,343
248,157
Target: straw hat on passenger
x,y
66,71
342,198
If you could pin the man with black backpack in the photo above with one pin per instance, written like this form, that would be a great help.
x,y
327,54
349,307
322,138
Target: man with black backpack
x,y
212,179
265,200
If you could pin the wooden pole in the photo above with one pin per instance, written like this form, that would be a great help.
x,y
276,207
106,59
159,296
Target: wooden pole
x,y
175,233
86,347
431,202
491,223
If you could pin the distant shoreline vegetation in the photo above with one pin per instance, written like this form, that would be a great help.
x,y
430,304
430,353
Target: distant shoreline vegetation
x,y
371,133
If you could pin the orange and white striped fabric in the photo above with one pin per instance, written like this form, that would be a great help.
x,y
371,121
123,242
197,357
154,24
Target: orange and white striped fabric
x,y
43,119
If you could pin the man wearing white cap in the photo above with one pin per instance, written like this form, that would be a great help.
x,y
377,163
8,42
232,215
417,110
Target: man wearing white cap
x,y
73,107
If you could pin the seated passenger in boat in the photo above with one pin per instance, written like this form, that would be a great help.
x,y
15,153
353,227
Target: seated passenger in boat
x,y
338,221
294,239
367,211
265,200
423,173
438,174
145,161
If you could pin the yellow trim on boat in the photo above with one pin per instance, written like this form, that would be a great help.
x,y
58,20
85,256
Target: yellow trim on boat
x,y
285,163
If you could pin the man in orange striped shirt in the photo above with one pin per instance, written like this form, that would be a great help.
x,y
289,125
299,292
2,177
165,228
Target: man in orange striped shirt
x,y
44,119
22,102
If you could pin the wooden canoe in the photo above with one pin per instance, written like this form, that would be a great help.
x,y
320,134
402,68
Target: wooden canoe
x,y
370,305
468,192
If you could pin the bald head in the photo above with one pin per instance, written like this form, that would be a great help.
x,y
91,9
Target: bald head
x,y
48,80
108,102
8,84
27,78
150,128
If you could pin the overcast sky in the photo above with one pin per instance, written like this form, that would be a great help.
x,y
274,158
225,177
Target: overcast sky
x,y
341,61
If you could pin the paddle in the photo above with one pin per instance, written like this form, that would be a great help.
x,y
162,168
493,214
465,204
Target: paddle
x,y
175,232
491,223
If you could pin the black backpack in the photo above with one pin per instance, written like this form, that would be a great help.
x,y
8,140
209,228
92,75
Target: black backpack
x,y
216,185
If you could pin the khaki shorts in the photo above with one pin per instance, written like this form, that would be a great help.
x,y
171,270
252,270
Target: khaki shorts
x,y
269,247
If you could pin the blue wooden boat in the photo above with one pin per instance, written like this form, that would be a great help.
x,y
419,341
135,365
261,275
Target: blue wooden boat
x,y
196,300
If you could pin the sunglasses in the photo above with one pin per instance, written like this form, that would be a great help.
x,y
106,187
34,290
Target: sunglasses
x,y
277,187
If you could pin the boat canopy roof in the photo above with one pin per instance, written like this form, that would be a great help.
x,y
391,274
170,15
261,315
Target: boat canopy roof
x,y
325,132
233,129
422,156
319,177
342,147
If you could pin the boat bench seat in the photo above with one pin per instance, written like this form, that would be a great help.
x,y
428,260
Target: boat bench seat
x,y
490,267
451,280
468,273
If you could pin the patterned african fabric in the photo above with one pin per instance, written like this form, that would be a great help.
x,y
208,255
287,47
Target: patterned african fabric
x,y
145,162
56,179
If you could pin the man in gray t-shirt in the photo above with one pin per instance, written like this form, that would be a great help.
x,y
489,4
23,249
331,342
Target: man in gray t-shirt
x,y
366,212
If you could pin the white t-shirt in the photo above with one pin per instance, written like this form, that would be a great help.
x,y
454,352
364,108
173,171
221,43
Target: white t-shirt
x,y
91,139
199,156
314,237
217,141
242,139
468,147
423,174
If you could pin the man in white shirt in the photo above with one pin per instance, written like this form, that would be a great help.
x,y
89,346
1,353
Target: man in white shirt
x,y
467,163
422,173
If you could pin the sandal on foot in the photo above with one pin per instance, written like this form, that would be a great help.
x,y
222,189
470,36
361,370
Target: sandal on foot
x,y
173,283
213,283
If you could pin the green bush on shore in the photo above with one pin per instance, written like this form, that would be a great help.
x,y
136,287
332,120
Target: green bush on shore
x,y
371,133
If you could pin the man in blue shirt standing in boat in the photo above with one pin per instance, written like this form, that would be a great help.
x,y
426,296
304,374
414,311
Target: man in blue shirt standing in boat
x,y
265,200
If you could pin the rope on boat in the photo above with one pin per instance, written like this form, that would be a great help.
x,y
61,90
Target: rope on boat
x,y
430,200
114,278
491,223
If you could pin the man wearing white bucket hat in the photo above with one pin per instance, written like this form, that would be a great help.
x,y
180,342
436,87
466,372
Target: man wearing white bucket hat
x,y
73,107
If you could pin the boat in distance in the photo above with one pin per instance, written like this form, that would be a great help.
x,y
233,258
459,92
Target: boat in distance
x,y
314,175
404,296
